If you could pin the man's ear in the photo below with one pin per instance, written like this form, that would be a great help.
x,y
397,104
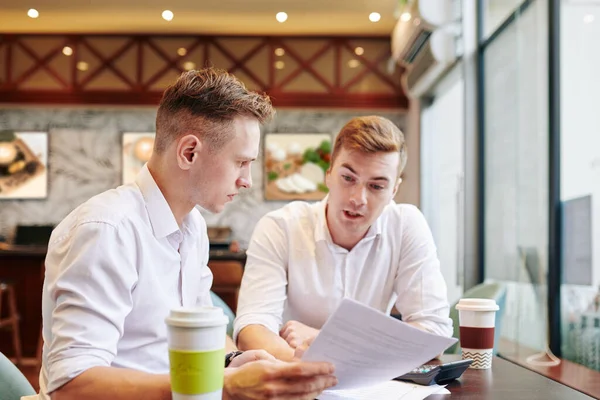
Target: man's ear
x,y
188,149
398,182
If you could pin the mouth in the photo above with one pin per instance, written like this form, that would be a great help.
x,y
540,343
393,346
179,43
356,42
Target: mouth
x,y
231,196
352,215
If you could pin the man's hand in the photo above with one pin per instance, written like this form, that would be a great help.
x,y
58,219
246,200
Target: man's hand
x,y
300,350
296,333
249,356
277,380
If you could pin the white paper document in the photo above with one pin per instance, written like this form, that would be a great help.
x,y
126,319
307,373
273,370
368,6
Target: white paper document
x,y
390,390
369,347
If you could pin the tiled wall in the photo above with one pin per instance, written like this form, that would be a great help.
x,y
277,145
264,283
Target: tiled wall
x,y
85,159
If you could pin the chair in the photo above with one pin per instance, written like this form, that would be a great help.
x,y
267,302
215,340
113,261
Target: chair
x,y
218,302
11,320
13,383
489,290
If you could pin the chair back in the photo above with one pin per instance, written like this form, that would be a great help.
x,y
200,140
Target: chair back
x,y
13,383
218,302
489,290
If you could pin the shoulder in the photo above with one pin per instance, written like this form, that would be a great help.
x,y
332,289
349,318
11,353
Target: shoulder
x,y
114,208
403,219
291,217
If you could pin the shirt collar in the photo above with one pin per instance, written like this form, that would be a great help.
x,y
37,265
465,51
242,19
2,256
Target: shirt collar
x,y
161,217
322,229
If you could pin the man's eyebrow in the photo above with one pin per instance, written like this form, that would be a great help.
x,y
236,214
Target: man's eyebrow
x,y
378,178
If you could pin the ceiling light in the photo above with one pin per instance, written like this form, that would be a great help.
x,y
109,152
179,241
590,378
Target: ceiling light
x,y
279,65
353,63
167,15
405,16
279,52
359,51
374,17
182,51
188,66
82,66
588,19
67,51
281,16
33,13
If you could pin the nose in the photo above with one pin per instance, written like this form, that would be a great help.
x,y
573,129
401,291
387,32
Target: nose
x,y
358,197
245,180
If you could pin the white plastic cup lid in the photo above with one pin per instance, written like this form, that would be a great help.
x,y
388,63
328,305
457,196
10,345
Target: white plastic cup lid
x,y
477,305
198,317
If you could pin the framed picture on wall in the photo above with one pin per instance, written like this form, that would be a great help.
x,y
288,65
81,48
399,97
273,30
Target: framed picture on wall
x,y
136,151
295,165
23,165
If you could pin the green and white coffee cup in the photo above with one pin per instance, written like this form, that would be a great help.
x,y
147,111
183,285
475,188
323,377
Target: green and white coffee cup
x,y
196,338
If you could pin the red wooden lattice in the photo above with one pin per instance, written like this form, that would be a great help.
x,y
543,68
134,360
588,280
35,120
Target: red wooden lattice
x,y
135,69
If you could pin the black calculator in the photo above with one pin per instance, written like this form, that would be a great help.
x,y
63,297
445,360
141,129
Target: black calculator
x,y
438,374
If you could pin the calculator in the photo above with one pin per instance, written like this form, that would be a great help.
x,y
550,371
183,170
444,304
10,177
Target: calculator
x,y
435,373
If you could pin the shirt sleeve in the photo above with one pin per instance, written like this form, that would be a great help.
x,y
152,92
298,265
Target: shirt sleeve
x,y
90,276
420,286
263,290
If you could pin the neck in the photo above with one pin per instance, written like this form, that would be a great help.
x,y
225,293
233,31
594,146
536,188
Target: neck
x,y
171,188
345,239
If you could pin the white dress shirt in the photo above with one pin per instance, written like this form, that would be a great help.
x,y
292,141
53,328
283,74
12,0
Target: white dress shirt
x,y
115,267
295,272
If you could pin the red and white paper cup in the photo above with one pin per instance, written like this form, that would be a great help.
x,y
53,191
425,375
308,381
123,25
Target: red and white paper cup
x,y
477,318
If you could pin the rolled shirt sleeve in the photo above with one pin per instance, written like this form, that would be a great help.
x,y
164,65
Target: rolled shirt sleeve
x,y
263,291
420,286
90,276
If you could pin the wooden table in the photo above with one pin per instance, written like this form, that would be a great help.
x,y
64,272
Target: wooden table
x,y
506,381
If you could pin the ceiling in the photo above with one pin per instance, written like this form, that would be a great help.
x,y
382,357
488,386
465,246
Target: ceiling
x,y
235,17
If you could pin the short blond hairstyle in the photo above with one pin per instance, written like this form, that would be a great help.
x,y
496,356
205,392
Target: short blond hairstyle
x,y
371,134
205,102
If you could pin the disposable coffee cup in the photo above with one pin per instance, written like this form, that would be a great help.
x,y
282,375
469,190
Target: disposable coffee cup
x,y
196,339
477,318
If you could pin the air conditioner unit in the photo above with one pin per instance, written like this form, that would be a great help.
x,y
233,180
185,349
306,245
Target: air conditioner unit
x,y
424,42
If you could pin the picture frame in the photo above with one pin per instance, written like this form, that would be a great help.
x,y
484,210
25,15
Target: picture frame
x,y
136,149
23,165
295,165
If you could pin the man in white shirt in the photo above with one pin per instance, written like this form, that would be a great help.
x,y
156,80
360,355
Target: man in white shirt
x,y
118,263
357,243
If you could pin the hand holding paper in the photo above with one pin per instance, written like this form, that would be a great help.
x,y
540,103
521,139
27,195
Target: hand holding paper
x,y
368,347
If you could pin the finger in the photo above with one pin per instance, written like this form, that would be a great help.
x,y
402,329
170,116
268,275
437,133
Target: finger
x,y
286,329
263,355
293,343
295,370
300,389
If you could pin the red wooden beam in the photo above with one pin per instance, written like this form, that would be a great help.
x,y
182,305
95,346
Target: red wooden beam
x,y
300,68
172,62
303,64
107,63
374,68
246,71
41,63
152,99
242,61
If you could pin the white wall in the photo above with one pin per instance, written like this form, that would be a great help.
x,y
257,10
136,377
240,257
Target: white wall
x,y
442,161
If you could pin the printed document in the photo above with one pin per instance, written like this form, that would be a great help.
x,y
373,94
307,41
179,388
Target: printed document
x,y
390,390
369,347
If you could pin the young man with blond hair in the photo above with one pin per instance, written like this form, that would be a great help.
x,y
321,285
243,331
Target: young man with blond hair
x,y
118,263
303,259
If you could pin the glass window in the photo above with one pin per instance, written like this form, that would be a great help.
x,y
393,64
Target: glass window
x,y
495,12
516,174
580,181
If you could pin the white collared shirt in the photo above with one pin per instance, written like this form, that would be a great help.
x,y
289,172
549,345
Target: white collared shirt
x,y
115,267
295,272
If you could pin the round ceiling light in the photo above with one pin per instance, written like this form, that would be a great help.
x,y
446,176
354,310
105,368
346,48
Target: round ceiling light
x,y
281,16
167,15
374,17
33,13
67,51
